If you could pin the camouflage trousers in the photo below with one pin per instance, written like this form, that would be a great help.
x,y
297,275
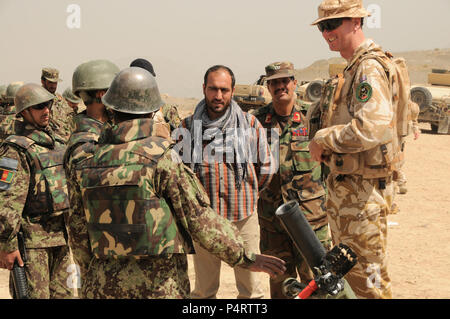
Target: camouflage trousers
x,y
279,244
150,278
47,272
357,210
78,240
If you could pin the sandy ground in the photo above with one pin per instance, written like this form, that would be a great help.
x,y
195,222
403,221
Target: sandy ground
x,y
418,237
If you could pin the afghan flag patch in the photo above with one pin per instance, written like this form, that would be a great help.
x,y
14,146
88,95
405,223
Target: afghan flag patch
x,y
363,92
6,176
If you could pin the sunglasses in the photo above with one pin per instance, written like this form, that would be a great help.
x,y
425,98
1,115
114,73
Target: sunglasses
x,y
42,106
330,24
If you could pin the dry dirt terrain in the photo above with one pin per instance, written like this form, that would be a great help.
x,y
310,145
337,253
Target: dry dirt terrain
x,y
419,235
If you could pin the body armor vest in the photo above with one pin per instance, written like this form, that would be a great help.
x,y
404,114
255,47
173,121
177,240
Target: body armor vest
x,y
125,217
335,109
47,194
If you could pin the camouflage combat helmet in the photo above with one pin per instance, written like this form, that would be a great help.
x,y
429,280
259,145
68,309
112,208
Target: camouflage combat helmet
x,y
135,91
68,95
11,91
31,94
93,75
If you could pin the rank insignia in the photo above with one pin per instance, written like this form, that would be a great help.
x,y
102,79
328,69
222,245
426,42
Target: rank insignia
x,y
297,117
268,118
363,92
303,131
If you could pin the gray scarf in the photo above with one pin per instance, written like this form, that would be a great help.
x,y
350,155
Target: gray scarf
x,y
234,125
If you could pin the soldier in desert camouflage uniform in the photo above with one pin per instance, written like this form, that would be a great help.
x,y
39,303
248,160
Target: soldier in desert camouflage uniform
x,y
90,80
360,144
400,177
298,177
167,113
8,110
144,206
59,120
34,196
399,174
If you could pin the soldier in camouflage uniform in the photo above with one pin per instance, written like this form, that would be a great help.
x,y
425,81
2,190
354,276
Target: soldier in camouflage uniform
x,y
60,122
400,177
360,144
168,113
34,198
8,110
144,206
73,102
2,93
298,177
90,80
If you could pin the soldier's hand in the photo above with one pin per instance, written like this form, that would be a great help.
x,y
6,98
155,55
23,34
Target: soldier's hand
x,y
316,151
269,264
7,259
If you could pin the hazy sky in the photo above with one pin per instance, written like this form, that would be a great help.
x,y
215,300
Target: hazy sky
x,y
182,38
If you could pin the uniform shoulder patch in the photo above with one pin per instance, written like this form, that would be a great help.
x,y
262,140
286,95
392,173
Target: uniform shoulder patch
x,y
363,92
8,170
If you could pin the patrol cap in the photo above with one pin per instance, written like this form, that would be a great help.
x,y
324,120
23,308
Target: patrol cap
x,y
332,9
279,70
50,74
68,95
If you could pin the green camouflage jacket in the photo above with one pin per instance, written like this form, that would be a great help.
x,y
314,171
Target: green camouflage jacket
x,y
81,145
60,121
143,189
298,177
36,197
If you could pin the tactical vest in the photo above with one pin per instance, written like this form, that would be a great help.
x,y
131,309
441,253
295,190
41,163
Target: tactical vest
x,y
47,194
125,217
380,161
300,176
86,130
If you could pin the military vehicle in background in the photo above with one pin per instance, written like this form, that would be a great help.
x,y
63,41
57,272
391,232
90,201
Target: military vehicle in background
x,y
252,96
434,100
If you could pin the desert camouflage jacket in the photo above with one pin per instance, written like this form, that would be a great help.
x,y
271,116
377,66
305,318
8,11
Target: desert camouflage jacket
x,y
298,177
36,197
360,118
168,114
149,194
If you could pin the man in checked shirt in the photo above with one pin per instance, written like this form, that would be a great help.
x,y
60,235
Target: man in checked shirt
x,y
232,159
